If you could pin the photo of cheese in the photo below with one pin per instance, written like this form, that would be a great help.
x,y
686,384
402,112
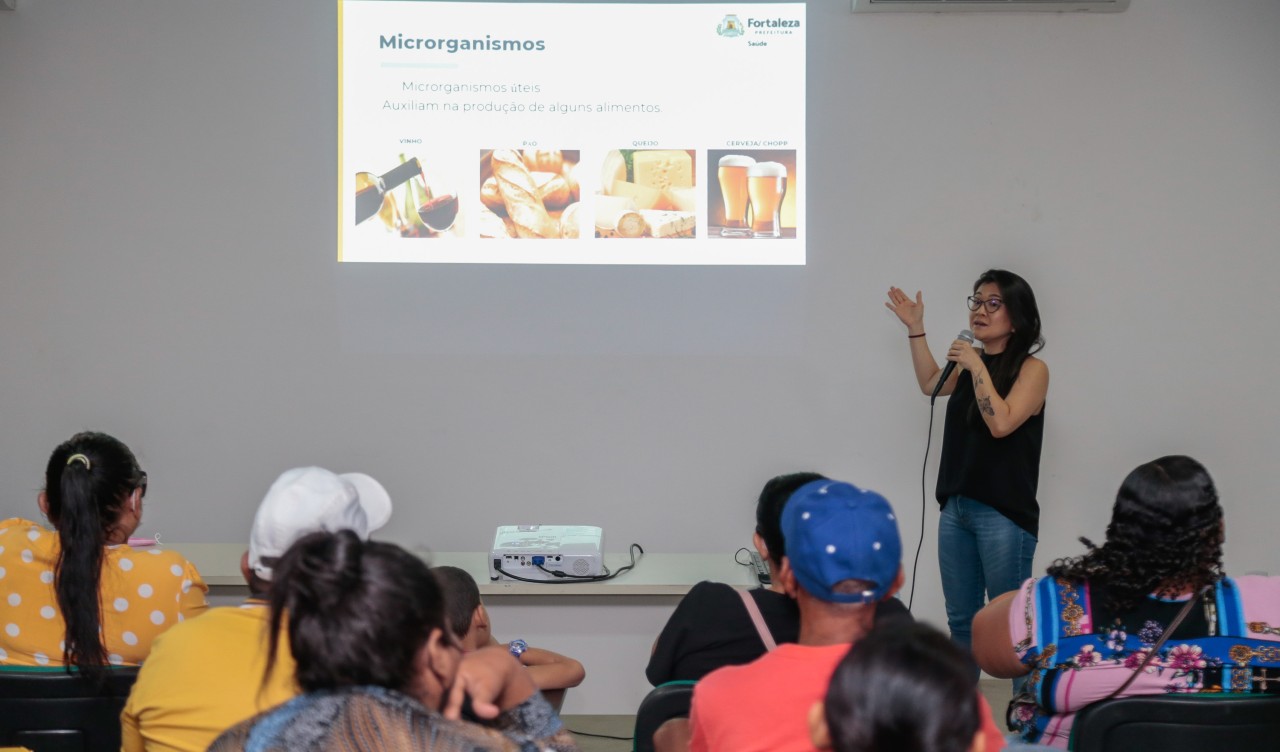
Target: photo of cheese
x,y
662,169
658,187
668,224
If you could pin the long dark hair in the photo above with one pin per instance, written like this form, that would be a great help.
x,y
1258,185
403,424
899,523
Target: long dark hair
x,y
1024,317
358,611
87,481
1165,536
903,688
773,497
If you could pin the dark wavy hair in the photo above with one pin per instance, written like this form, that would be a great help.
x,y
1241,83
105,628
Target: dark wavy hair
x,y
84,500
903,688
358,611
773,497
1024,317
1165,536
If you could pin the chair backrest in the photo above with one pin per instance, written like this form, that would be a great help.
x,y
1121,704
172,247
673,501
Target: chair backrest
x,y
664,702
1179,723
53,711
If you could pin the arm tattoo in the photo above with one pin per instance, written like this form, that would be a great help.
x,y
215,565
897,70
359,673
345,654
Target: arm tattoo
x,y
984,404
980,381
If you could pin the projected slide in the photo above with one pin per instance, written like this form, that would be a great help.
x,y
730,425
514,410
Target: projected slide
x,y
571,133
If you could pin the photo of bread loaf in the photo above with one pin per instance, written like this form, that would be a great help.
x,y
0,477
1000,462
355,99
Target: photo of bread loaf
x,y
529,193
647,193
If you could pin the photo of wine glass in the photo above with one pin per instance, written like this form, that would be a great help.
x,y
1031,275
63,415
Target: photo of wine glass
x,y
440,211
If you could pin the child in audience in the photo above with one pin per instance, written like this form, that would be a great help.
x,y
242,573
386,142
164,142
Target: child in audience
x,y
468,619
907,688
79,595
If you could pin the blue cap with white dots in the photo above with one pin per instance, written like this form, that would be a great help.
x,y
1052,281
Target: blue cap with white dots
x,y
836,532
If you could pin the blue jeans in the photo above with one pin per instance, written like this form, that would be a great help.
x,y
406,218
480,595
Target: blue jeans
x,y
982,554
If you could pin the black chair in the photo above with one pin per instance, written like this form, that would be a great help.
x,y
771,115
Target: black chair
x,y
53,711
1179,723
664,702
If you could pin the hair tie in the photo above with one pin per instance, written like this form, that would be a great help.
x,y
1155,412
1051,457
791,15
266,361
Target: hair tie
x,y
81,459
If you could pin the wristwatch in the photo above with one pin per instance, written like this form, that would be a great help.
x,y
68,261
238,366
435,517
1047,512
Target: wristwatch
x,y
517,647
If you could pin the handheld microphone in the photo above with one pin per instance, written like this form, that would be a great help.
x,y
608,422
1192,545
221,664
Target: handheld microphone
x,y
965,335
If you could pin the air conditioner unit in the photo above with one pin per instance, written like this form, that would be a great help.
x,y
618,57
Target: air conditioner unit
x,y
939,6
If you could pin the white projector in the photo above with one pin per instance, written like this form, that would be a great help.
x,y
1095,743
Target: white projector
x,y
534,552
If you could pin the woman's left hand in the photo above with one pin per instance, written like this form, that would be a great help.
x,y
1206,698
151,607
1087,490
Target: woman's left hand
x,y
966,355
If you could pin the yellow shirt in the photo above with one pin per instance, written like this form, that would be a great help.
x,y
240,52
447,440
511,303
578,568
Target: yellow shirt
x,y
144,592
203,677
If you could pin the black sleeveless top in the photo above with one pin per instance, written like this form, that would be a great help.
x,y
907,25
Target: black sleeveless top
x,y
1001,473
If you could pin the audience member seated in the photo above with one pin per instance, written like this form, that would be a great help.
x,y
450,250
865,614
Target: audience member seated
x,y
378,667
844,555
906,688
469,622
206,674
80,596
711,626
1093,628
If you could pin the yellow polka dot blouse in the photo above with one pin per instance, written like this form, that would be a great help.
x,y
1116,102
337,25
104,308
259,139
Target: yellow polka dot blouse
x,y
144,592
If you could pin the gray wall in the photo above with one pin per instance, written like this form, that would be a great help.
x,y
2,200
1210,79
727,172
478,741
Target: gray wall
x,y
168,275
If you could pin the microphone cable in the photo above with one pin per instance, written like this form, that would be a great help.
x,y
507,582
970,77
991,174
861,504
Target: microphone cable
x,y
915,564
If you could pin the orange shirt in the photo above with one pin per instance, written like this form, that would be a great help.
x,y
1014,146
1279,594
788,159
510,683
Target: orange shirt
x,y
764,705
144,592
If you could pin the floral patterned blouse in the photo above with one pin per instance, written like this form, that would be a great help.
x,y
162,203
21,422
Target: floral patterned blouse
x,y
1080,653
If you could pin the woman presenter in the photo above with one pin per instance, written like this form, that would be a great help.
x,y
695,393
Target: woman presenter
x,y
990,462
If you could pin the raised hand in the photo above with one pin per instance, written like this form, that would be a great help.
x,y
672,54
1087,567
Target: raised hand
x,y
908,311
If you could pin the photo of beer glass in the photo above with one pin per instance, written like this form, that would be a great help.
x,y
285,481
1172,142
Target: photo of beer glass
x,y
733,187
767,186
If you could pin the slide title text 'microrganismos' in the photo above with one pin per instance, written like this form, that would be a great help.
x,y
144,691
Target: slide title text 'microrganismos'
x,y
488,44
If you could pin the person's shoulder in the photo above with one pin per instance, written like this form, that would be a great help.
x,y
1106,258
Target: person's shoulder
x,y
221,621
707,594
709,589
1034,366
725,675
379,699
29,529
158,560
18,523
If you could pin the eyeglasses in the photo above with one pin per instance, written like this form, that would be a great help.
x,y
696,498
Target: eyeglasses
x,y
991,304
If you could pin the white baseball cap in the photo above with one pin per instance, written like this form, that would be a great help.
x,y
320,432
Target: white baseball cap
x,y
311,499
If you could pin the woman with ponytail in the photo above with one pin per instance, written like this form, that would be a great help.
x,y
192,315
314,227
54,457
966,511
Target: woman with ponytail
x,y
380,669
79,595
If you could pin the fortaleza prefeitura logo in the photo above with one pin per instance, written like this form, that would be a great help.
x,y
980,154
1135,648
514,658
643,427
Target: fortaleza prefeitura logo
x,y
732,26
